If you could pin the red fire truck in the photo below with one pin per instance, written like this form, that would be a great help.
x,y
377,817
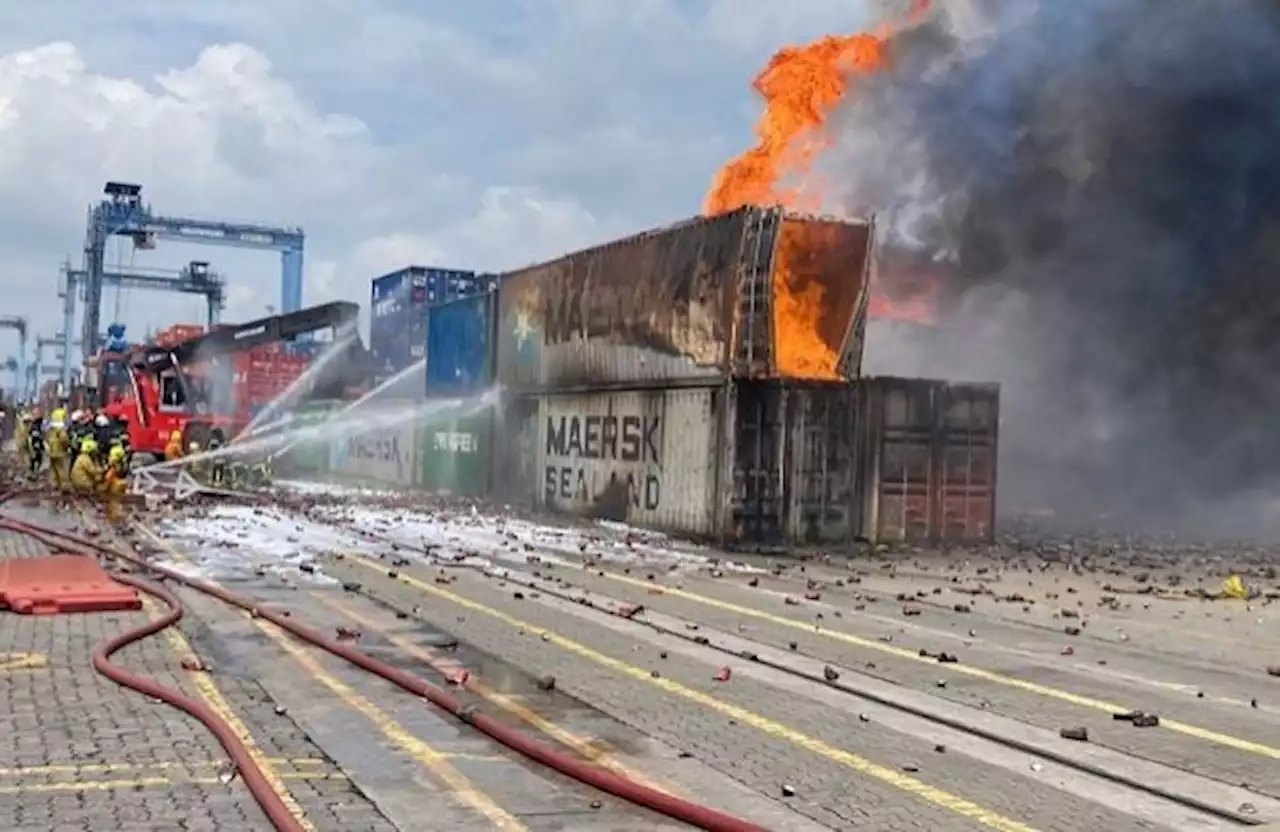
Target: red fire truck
x,y
209,386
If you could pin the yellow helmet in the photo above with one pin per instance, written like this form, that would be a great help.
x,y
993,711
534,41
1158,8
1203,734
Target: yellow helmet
x,y
176,436
116,454
59,414
89,446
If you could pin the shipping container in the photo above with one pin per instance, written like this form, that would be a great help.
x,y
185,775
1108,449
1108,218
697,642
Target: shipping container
x,y
397,327
768,461
460,342
754,293
641,456
929,452
380,455
454,452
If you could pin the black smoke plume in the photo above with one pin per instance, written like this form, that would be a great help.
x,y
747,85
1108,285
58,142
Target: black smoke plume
x,y
1098,181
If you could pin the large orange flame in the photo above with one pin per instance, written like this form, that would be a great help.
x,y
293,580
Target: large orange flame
x,y
801,86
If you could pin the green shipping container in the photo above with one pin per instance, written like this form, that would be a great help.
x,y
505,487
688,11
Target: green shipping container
x,y
308,458
454,452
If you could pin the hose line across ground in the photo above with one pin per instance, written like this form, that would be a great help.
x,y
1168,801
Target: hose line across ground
x,y
702,817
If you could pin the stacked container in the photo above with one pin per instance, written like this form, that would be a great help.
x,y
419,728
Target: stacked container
x,y
397,328
455,435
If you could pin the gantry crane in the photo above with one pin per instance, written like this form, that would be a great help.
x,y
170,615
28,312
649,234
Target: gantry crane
x,y
19,323
39,368
195,278
123,213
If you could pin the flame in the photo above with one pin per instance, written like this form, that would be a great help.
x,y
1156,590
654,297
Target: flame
x,y
801,86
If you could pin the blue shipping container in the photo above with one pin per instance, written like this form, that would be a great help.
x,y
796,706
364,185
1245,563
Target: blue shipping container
x,y
397,330
460,344
389,317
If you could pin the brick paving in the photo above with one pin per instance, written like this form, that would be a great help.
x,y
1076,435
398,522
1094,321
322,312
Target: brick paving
x,y
825,790
1037,660
78,752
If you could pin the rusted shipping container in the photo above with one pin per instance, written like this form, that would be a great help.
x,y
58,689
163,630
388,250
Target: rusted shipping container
x,y
772,461
928,455
754,293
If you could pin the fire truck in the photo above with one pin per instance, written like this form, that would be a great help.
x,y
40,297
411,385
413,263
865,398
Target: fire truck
x,y
200,386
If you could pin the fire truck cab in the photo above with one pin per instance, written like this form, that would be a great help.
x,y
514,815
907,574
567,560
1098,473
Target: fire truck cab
x,y
154,390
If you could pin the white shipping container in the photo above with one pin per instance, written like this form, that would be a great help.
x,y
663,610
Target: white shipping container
x,y
382,455
645,457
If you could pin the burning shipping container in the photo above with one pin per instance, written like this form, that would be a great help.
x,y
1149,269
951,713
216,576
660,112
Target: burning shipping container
x,y
753,293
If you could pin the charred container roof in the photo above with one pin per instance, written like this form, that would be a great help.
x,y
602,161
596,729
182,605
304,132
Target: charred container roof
x,y
752,293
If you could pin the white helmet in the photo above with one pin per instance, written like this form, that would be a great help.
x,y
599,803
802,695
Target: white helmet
x,y
101,420
77,415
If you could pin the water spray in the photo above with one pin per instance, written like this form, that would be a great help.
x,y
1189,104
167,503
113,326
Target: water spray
x,y
255,425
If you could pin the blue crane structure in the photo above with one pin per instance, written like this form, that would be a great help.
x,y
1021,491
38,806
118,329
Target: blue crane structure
x,y
195,278
19,323
123,213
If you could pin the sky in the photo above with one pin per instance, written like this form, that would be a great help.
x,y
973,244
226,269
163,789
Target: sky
x,y
483,135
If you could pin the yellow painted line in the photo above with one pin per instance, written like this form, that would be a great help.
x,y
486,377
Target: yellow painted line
x,y
219,704
18,662
777,730
585,747
432,760
145,782
1036,688
105,768
427,756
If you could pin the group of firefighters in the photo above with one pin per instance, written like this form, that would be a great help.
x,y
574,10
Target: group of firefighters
x,y
89,456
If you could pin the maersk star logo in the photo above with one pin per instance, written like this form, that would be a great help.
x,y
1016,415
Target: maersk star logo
x,y
526,335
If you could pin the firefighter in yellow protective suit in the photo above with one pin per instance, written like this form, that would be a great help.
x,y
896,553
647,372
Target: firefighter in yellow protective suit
x,y
86,473
173,450
116,483
21,429
58,447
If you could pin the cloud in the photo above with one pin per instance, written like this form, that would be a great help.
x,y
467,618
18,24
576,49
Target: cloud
x,y
482,135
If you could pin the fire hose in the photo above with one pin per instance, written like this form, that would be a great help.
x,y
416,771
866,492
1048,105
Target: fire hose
x,y
694,814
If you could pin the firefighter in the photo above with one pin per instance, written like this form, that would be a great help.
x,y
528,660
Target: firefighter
x,y
116,483
21,430
217,465
79,428
173,450
103,432
236,473
86,473
197,467
35,445
58,444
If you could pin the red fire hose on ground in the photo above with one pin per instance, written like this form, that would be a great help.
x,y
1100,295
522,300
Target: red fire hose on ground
x,y
694,814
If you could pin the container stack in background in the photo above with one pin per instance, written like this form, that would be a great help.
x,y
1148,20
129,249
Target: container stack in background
x,y
397,318
702,378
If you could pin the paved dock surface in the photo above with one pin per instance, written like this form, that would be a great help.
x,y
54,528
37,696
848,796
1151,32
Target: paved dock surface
x,y
890,692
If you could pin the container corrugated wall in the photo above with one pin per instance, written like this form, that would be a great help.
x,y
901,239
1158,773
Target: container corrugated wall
x,y
691,304
642,456
382,455
389,314
460,346
455,452
794,462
